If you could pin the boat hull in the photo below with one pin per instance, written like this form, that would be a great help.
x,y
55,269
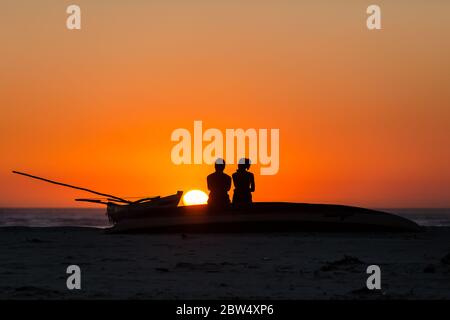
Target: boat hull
x,y
260,217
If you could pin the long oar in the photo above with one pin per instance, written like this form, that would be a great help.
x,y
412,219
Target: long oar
x,y
73,187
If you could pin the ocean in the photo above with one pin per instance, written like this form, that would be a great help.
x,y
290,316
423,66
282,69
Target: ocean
x,y
76,217
53,217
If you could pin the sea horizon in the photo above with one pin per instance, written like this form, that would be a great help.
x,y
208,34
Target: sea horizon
x,y
96,217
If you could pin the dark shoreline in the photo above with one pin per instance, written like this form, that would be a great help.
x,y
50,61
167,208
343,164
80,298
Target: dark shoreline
x,y
223,266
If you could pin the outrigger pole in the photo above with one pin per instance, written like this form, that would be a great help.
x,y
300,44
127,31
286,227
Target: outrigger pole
x,y
74,187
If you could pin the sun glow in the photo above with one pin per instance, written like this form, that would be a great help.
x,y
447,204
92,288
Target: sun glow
x,y
193,197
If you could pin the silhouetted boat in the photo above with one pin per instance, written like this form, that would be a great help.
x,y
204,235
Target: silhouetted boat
x,y
258,217
141,208
162,214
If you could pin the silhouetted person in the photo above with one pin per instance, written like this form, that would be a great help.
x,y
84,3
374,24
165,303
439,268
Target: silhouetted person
x,y
244,183
219,184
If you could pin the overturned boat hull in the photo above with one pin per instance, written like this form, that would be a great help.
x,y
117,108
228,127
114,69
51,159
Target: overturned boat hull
x,y
258,217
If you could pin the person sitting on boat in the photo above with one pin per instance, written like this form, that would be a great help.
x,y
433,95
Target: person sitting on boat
x,y
244,183
219,183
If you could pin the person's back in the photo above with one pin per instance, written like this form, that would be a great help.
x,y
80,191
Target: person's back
x,y
244,183
219,183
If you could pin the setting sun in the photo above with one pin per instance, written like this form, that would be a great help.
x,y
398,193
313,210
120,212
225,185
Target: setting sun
x,y
195,197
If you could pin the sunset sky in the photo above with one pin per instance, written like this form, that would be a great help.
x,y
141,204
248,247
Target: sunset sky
x,y
364,116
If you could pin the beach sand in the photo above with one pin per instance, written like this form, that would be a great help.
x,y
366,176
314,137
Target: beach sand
x,y
33,264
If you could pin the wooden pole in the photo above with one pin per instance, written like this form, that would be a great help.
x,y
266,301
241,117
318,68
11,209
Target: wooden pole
x,y
73,187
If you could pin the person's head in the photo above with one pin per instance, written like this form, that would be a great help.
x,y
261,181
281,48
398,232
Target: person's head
x,y
219,165
244,164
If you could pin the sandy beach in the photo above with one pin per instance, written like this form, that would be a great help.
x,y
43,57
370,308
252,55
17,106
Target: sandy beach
x,y
219,266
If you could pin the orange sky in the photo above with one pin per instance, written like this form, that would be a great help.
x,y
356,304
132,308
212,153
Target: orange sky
x,y
364,116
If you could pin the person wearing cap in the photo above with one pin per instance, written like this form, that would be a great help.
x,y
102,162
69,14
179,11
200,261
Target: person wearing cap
x,y
244,183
